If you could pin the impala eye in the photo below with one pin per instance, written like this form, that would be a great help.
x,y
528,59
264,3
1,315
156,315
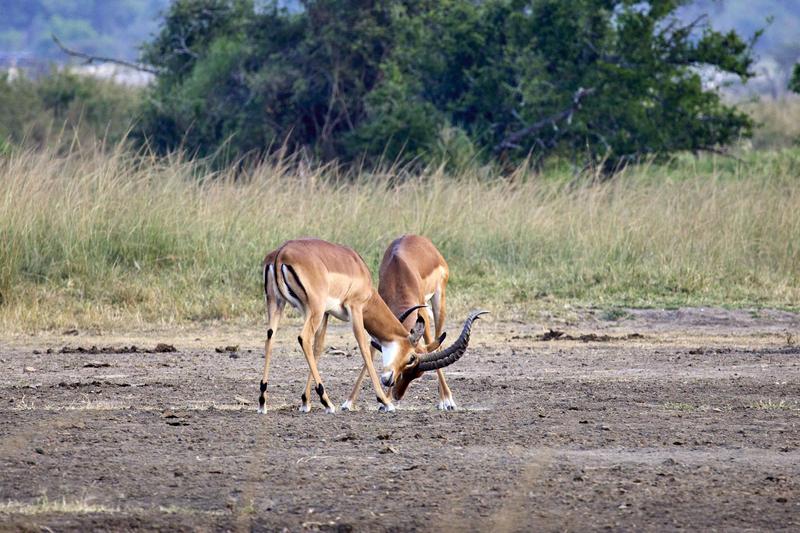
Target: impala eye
x,y
412,360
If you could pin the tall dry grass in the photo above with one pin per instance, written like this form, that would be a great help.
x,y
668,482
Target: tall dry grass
x,y
777,122
114,240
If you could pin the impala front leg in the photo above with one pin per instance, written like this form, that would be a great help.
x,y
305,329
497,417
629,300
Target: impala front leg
x,y
357,318
349,404
446,401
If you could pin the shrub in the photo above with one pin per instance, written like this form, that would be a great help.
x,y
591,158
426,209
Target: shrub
x,y
57,107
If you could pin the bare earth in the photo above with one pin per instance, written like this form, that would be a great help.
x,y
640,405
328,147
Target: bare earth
x,y
693,423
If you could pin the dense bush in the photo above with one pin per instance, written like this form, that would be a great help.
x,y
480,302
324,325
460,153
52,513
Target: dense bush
x,y
448,79
62,105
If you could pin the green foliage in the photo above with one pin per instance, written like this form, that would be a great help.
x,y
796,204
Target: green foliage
x,y
258,78
38,112
432,81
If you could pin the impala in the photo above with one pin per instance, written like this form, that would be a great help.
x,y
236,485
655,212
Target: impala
x,y
413,274
320,279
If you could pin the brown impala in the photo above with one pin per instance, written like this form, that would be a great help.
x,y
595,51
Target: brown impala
x,y
412,274
319,279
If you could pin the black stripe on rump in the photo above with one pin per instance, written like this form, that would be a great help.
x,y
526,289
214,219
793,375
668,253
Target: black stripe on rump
x,y
296,280
266,280
292,296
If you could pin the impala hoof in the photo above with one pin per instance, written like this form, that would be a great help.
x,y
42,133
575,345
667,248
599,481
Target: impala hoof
x,y
330,410
386,408
305,408
348,406
262,410
447,405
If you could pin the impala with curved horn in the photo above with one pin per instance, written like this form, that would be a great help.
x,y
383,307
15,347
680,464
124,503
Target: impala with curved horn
x,y
413,274
320,279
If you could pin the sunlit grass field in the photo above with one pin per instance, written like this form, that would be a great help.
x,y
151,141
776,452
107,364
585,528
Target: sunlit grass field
x,y
104,238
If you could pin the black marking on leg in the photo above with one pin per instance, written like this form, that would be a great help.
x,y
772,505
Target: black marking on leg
x,y
304,398
321,391
269,333
300,340
263,386
380,401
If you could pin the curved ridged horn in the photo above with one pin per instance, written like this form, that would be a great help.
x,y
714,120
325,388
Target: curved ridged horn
x,y
450,355
408,311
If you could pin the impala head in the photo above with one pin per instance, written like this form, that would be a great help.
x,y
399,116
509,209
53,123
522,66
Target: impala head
x,y
415,359
397,353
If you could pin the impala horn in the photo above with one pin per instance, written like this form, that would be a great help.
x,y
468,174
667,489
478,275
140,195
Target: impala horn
x,y
408,311
419,325
450,355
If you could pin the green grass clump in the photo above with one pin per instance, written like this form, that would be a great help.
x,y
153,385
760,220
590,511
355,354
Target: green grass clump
x,y
99,237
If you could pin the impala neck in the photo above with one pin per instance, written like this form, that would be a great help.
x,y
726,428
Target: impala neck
x,y
380,322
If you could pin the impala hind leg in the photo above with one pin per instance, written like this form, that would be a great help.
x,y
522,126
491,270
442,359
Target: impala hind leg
x,y
306,340
274,312
319,345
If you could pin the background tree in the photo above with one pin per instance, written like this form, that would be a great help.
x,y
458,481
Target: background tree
x,y
794,81
594,81
251,78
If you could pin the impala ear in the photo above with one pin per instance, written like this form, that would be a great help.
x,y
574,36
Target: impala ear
x,y
376,346
419,329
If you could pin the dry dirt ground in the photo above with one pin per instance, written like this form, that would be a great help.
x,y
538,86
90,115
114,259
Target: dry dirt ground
x,y
693,423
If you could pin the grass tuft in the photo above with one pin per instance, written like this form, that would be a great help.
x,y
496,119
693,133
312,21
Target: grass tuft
x,y
44,505
775,405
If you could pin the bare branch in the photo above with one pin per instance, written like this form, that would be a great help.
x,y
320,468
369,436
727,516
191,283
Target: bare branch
x,y
185,48
512,141
720,152
89,59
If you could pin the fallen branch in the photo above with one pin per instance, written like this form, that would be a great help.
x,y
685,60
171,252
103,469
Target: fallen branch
x,y
89,59
512,140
